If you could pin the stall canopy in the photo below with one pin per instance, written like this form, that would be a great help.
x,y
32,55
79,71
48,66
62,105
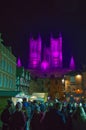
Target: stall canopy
x,y
39,96
9,93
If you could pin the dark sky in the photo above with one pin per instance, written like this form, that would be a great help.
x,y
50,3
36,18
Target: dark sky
x,y
19,19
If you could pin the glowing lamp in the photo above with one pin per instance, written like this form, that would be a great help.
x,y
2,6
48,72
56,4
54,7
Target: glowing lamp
x,y
44,65
79,91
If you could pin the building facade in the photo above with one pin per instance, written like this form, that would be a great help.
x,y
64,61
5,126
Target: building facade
x,y
7,68
22,78
47,60
52,56
75,85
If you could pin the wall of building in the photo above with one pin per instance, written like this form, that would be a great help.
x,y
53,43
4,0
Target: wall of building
x,y
73,82
75,85
22,80
7,69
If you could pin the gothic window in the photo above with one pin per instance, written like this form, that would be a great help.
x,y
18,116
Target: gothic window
x,y
0,80
3,63
10,83
7,82
17,81
4,81
11,69
37,48
72,79
54,47
8,67
47,57
0,62
33,49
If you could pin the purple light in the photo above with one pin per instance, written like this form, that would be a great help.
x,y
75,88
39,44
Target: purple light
x,y
56,52
72,63
52,55
44,65
35,52
19,62
34,63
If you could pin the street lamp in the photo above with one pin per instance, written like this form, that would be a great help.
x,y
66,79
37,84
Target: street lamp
x,y
63,83
79,81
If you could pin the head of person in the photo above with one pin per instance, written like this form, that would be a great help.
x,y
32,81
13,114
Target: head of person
x,y
58,106
9,103
24,99
18,106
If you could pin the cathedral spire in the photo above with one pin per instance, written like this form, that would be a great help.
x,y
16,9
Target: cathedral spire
x,y
72,63
19,62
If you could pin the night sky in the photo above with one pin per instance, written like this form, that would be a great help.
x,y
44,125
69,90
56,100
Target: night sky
x,y
20,19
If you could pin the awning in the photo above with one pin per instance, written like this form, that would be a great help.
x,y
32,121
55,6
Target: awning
x,y
9,93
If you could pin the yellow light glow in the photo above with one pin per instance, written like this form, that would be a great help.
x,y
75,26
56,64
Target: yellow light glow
x,y
63,81
79,91
78,76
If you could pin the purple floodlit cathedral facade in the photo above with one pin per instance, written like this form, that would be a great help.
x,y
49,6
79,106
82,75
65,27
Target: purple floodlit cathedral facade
x,y
52,56
46,58
35,52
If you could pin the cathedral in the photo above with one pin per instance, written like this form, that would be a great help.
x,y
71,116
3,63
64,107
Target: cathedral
x,y
52,56
47,60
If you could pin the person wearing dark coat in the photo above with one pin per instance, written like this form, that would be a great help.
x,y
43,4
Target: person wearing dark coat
x,y
35,123
54,119
19,119
6,115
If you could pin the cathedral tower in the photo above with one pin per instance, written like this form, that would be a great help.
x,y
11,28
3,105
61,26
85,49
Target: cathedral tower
x,y
72,63
56,51
35,47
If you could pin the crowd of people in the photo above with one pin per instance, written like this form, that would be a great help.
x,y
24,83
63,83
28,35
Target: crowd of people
x,y
50,115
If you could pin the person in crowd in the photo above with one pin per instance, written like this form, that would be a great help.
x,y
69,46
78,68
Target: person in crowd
x,y
35,123
79,119
33,106
18,118
54,118
6,115
27,111
68,112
